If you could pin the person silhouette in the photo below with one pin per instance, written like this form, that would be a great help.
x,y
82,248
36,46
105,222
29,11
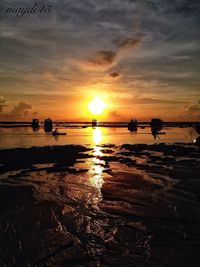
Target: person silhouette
x,y
55,131
154,132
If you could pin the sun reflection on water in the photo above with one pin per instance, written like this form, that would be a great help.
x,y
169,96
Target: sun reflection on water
x,y
96,169
97,136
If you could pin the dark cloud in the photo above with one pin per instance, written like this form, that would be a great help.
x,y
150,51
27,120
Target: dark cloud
x,y
107,57
102,58
186,7
127,43
20,109
114,75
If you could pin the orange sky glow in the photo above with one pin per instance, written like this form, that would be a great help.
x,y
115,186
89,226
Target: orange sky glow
x,y
135,57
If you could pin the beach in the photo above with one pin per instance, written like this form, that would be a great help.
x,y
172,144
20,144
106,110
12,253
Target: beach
x,y
100,205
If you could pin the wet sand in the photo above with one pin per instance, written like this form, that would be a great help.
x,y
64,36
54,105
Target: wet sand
x,y
129,205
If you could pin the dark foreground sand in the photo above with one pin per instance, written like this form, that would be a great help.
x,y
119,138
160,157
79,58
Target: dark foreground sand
x,y
134,205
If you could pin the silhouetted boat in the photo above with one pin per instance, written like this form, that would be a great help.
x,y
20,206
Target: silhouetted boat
x,y
94,123
160,133
132,125
55,134
156,126
35,124
48,125
156,123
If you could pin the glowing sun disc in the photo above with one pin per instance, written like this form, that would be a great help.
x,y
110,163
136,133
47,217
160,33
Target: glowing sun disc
x,y
97,106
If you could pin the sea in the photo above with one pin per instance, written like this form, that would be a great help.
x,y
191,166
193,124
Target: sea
x,y
21,136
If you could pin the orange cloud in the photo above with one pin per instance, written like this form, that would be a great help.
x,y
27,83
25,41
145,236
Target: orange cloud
x,y
20,109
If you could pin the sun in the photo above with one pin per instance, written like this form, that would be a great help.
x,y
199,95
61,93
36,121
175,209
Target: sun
x,y
97,106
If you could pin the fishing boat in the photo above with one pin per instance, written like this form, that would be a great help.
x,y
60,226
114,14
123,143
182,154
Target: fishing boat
x,y
55,134
156,124
35,124
94,123
48,125
132,125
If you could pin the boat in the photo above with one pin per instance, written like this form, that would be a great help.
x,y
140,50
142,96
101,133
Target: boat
x,y
94,123
55,134
35,124
132,125
48,125
160,133
156,125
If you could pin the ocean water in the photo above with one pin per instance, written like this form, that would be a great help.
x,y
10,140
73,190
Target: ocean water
x,y
26,137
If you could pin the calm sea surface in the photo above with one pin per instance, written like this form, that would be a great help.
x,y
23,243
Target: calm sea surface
x,y
26,137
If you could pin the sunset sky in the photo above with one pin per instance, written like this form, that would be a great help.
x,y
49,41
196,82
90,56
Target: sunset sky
x,y
141,57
